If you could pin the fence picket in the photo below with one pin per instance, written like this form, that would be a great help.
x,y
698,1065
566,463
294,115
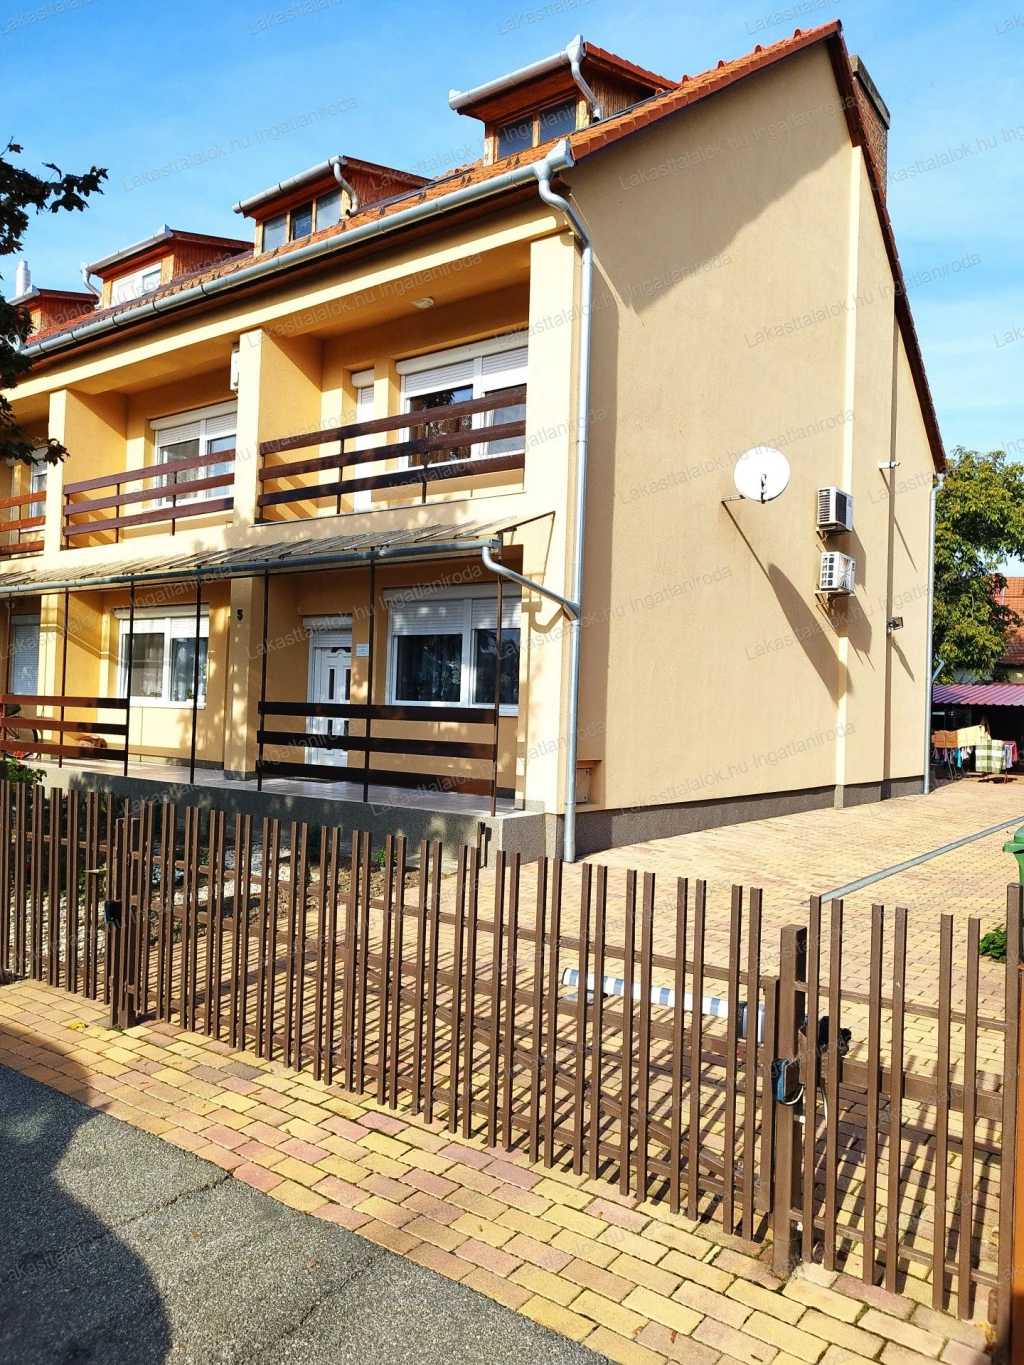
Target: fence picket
x,y
626,1078
896,1082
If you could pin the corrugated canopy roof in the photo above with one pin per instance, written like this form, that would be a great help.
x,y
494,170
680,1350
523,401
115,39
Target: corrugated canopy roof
x,y
978,694
250,561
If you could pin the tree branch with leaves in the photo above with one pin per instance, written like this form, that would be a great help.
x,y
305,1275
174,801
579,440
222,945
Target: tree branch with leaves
x,y
979,516
21,194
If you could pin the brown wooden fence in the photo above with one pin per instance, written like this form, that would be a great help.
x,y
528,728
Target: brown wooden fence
x,y
646,1036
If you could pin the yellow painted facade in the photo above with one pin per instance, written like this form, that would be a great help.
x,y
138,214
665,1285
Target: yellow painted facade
x,y
743,297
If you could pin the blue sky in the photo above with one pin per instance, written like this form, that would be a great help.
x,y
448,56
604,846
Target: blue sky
x,y
253,94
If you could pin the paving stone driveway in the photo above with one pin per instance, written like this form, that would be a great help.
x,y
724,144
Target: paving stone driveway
x,y
119,1249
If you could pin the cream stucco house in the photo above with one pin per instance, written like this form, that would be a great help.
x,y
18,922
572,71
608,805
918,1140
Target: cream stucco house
x,y
418,510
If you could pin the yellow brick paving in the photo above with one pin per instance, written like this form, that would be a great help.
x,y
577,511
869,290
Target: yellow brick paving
x,y
626,1278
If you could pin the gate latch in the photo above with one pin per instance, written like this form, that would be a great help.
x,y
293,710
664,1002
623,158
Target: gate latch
x,y
783,1072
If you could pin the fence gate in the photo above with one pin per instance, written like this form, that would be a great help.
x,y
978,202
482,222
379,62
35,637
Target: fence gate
x,y
878,1166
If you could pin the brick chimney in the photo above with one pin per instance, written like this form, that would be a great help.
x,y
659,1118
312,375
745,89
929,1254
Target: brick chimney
x,y
876,117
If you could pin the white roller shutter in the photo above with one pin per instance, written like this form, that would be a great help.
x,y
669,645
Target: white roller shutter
x,y
485,612
442,377
428,618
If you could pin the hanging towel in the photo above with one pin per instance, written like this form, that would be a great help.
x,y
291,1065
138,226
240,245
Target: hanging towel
x,y
989,756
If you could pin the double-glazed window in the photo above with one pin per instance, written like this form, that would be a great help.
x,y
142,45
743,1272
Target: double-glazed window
x,y
542,125
187,437
427,386
133,286
302,220
25,655
163,659
442,651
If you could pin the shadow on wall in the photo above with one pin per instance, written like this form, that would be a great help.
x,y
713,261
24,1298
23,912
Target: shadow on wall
x,y
71,1292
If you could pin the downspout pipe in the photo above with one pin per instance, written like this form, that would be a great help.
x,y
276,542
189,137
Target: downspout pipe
x,y
929,668
576,51
580,497
337,162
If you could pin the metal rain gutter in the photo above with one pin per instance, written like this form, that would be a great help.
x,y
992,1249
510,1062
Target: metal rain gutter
x,y
157,237
459,99
929,664
254,568
294,182
559,158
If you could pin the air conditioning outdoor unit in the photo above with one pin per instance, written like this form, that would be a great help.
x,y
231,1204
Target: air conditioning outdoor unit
x,y
835,510
838,573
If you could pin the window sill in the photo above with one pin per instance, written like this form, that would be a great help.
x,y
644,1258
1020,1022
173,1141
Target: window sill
x,y
159,704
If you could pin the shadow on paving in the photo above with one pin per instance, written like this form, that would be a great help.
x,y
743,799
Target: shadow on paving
x,y
120,1249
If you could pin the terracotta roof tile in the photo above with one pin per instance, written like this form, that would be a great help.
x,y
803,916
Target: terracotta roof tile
x,y
588,141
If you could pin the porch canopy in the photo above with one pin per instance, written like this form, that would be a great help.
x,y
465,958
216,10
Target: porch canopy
x,y
422,543
254,561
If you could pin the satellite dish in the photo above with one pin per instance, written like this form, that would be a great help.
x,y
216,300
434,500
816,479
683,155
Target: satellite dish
x,y
761,474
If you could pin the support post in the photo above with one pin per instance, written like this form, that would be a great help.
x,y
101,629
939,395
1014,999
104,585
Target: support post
x,y
128,676
8,652
497,702
369,675
263,681
792,1009
63,674
1010,1300
195,683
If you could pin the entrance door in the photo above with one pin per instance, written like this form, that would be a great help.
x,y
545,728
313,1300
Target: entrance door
x,y
330,680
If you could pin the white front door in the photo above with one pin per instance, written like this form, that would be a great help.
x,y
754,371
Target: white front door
x,y
330,681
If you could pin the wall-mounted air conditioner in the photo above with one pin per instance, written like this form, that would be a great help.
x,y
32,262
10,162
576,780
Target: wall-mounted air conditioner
x,y
838,573
835,510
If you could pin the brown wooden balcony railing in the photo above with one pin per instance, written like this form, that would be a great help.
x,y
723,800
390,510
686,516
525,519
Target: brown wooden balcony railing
x,y
34,736
17,522
417,456
423,744
97,505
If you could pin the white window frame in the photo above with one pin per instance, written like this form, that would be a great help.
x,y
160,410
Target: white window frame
x,y
24,625
173,623
203,419
475,366
130,287
37,483
511,617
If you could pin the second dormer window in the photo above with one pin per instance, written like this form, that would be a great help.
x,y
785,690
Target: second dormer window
x,y
302,220
543,125
135,285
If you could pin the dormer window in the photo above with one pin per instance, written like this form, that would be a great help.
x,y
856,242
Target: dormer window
x,y
557,120
133,286
302,221
570,90
322,197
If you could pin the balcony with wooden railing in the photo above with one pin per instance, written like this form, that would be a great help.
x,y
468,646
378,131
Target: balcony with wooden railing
x,y
21,525
155,498
453,450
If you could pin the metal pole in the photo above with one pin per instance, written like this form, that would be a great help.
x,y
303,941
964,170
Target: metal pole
x,y
497,703
6,734
195,683
369,677
929,662
63,675
128,676
263,682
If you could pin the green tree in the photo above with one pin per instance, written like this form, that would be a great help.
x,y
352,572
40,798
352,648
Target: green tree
x,y
22,193
979,524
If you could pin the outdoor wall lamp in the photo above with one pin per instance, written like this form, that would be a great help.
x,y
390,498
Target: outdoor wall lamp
x,y
894,623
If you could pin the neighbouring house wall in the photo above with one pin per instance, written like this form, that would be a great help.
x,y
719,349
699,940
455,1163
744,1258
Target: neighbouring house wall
x,y
742,298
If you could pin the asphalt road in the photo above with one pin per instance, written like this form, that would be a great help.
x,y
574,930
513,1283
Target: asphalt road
x,y
119,1249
